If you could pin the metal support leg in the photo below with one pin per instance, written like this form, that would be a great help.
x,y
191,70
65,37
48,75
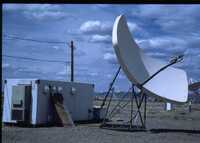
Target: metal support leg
x,y
131,120
110,87
107,109
119,105
140,99
145,105
138,104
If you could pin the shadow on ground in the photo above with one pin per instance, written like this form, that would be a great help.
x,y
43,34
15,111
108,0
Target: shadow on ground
x,y
174,131
127,128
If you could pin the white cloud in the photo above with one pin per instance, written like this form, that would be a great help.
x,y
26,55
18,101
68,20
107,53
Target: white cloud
x,y
167,44
30,7
42,7
100,38
79,53
133,26
96,27
102,5
37,11
64,71
93,74
108,75
122,76
61,73
56,47
168,12
6,65
180,19
156,54
45,15
111,58
32,69
90,26
108,56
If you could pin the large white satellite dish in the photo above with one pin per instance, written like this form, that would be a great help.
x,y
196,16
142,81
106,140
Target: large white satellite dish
x,y
170,84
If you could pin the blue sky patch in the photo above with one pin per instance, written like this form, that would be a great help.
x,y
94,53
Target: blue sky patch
x,y
161,31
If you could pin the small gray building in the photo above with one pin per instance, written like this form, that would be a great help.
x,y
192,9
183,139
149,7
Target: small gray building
x,y
29,100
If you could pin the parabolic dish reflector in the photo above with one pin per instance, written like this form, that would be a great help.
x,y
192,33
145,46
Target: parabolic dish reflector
x,y
170,84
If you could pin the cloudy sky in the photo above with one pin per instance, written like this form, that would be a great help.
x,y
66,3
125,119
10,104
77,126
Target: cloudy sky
x,y
161,30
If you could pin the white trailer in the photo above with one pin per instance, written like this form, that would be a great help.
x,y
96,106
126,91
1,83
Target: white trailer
x,y
29,100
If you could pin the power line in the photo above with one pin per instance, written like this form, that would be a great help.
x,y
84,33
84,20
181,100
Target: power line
x,y
34,40
34,59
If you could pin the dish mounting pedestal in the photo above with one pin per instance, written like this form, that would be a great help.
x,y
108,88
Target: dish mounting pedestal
x,y
139,98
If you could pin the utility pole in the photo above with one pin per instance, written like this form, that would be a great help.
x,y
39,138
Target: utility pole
x,y
72,61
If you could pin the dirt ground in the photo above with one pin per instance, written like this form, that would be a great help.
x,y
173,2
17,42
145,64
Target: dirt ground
x,y
177,126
